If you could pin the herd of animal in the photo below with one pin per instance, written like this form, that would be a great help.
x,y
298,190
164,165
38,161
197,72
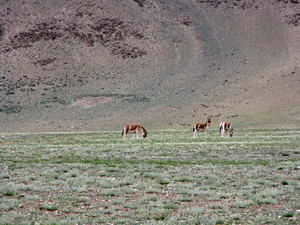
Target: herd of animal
x,y
224,127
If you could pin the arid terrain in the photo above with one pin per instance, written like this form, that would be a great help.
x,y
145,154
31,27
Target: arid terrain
x,y
87,65
168,178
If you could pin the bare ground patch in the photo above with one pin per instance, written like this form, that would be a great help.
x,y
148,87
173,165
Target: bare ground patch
x,y
89,102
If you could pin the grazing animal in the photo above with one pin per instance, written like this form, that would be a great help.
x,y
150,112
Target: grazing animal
x,y
226,127
133,128
203,127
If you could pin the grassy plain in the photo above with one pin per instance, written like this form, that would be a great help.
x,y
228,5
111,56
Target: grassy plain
x,y
168,178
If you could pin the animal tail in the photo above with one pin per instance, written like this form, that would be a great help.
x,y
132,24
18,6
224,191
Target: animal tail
x,y
122,132
193,128
221,127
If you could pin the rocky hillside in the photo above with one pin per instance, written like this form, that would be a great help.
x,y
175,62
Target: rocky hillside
x,y
96,65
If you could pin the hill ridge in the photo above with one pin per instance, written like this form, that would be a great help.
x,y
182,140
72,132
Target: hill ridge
x,y
161,63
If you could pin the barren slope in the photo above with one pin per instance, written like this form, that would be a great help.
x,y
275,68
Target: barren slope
x,y
96,65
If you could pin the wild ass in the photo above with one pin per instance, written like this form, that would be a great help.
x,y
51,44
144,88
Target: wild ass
x,y
133,128
203,127
226,127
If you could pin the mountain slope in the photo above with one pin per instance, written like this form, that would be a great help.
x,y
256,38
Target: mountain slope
x,y
96,65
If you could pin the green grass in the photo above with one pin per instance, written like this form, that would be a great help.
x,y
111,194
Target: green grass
x,y
168,178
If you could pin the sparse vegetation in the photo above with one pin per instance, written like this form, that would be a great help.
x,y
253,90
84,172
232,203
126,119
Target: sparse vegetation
x,y
173,61
98,176
166,63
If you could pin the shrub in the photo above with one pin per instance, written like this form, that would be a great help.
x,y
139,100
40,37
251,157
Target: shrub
x,y
288,214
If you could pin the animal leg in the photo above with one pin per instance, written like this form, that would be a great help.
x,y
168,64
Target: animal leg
x,y
222,129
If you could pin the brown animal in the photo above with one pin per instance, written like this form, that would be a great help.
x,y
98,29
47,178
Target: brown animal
x,y
133,128
226,127
203,127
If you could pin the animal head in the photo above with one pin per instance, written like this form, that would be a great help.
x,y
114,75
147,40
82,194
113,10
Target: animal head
x,y
208,121
145,134
231,132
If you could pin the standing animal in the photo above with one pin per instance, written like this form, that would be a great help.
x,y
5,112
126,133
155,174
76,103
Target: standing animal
x,y
226,127
203,127
133,128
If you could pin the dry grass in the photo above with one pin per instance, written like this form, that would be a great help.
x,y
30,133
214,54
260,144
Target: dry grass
x,y
97,177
